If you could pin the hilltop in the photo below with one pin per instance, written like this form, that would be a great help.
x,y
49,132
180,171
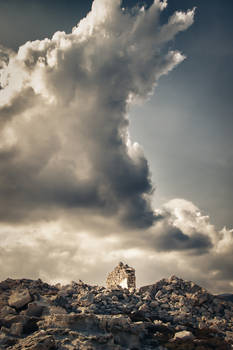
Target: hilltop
x,y
170,314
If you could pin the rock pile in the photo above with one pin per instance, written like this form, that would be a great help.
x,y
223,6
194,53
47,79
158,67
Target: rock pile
x,y
170,314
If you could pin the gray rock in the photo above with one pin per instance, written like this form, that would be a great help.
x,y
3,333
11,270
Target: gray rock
x,y
19,299
184,335
34,309
144,308
154,304
80,316
16,329
46,342
7,310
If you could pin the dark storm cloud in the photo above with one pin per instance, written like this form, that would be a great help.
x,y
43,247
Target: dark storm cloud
x,y
173,239
178,228
64,104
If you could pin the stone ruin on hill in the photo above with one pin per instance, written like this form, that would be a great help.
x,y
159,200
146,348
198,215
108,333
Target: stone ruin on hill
x,y
123,276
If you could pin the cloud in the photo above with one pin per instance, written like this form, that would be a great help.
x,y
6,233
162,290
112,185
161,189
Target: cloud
x,y
183,228
174,239
198,249
57,252
74,188
64,115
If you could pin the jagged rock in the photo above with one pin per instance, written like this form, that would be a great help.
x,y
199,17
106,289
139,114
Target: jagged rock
x,y
171,314
34,309
7,310
20,298
144,307
46,342
184,335
16,329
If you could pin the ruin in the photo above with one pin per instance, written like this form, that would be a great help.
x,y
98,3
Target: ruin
x,y
122,276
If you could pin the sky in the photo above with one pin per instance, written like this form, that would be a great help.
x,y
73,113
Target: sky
x,y
116,140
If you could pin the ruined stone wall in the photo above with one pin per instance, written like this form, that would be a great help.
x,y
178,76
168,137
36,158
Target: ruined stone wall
x,y
123,276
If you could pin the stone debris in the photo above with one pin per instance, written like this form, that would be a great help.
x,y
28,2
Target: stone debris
x,y
185,335
170,314
123,276
19,298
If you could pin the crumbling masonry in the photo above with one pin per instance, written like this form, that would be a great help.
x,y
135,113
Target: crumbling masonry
x,y
123,276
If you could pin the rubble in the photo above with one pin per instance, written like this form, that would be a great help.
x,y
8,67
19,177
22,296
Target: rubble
x,y
170,314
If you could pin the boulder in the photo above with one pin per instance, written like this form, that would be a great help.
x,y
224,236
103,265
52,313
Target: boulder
x,y
16,329
184,335
19,299
34,309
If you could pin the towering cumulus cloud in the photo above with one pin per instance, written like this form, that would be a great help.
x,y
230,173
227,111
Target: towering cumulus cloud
x,y
64,104
74,189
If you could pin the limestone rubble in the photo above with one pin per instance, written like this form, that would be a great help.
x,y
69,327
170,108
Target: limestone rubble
x,y
170,314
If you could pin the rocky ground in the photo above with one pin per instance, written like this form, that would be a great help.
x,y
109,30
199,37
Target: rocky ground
x,y
171,314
